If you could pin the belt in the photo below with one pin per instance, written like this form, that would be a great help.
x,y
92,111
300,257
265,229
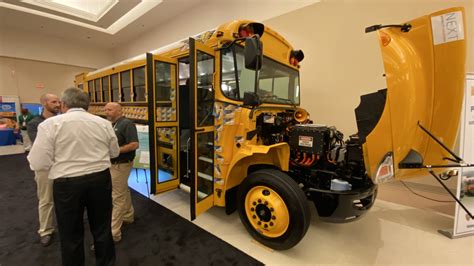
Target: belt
x,y
121,161
82,177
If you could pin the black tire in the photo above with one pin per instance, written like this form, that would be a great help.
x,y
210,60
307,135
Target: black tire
x,y
294,199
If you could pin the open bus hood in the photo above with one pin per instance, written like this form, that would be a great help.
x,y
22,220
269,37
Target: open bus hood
x,y
425,72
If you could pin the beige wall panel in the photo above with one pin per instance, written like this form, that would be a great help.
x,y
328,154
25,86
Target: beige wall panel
x,y
20,77
342,62
206,16
36,46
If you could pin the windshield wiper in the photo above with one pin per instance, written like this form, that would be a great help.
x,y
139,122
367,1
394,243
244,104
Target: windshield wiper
x,y
274,97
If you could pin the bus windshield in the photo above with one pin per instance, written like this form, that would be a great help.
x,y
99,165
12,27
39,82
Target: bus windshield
x,y
277,82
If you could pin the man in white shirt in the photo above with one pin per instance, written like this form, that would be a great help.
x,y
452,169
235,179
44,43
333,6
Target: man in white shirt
x,y
77,147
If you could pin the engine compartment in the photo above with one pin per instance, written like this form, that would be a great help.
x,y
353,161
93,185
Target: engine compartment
x,y
327,167
319,155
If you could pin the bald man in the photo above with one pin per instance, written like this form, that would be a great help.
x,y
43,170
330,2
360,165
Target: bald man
x,y
126,132
51,107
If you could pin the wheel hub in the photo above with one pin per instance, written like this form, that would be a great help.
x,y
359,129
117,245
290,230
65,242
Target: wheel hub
x,y
267,211
263,213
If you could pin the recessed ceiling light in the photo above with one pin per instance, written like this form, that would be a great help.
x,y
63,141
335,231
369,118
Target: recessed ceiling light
x,y
139,10
93,7
87,9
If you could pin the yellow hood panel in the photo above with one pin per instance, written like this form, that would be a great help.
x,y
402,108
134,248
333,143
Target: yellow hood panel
x,y
425,71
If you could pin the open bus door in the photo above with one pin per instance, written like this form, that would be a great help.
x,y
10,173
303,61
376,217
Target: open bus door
x,y
202,77
164,123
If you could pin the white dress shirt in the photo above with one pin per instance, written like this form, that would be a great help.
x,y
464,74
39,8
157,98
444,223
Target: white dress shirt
x,y
73,144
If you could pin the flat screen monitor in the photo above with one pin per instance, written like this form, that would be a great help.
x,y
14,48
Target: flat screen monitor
x,y
34,108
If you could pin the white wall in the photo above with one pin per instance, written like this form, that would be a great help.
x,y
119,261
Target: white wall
x,y
28,57
342,62
20,77
35,46
206,16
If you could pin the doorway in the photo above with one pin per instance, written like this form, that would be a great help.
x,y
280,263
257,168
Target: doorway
x,y
184,120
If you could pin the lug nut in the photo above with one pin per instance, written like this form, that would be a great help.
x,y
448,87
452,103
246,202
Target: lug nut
x,y
259,201
265,225
273,217
266,203
271,209
259,223
271,223
254,216
254,203
252,209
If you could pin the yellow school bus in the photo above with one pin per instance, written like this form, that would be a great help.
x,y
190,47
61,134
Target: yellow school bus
x,y
225,122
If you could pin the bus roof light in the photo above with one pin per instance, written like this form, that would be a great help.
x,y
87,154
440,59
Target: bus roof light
x,y
296,56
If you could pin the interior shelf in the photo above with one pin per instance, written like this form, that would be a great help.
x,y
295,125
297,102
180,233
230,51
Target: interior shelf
x,y
205,176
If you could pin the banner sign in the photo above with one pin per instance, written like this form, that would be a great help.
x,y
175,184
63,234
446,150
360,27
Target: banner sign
x,y
463,224
8,110
142,157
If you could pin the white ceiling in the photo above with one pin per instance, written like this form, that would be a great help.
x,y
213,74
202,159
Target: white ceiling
x,y
108,31
87,9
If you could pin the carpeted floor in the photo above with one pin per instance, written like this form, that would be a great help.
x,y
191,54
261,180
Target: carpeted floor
x,y
158,236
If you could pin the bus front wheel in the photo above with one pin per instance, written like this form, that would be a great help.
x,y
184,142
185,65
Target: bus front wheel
x,y
273,208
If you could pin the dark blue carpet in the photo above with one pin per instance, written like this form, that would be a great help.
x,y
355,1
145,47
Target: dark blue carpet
x,y
158,236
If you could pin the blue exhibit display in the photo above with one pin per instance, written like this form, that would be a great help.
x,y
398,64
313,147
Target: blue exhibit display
x,y
7,137
34,108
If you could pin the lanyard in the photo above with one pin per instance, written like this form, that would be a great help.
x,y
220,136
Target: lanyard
x,y
114,125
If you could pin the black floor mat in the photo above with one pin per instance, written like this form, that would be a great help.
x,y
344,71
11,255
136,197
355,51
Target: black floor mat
x,y
158,236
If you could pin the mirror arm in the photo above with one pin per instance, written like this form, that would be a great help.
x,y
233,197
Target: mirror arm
x,y
257,72
231,43
258,69
235,41
236,69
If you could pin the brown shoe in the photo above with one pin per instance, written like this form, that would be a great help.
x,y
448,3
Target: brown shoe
x,y
46,240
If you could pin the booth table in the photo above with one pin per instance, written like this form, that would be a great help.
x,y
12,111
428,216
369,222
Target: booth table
x,y
7,137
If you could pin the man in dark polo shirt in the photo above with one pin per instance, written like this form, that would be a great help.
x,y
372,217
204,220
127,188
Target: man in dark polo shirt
x,y
44,185
127,136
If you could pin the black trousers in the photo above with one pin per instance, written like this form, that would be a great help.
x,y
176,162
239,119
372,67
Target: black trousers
x,y
71,196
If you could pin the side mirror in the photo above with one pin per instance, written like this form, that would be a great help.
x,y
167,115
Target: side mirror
x,y
251,99
253,53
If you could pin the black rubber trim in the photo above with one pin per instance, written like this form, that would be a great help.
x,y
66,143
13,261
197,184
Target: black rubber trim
x,y
192,124
369,111
151,120
412,160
